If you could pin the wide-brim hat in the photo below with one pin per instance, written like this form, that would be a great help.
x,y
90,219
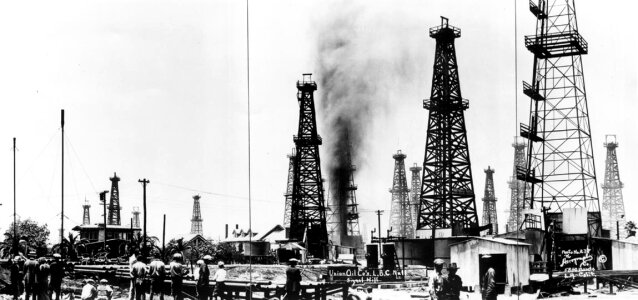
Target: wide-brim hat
x,y
439,262
177,255
452,266
220,264
57,255
104,281
293,260
90,280
208,257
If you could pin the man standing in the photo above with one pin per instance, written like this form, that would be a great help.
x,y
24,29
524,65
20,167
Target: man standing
x,y
220,280
104,290
131,261
30,268
436,280
16,277
202,280
177,273
42,279
57,273
293,280
157,271
138,273
452,283
89,292
489,285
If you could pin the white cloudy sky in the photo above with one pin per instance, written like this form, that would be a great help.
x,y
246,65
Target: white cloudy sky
x,y
158,90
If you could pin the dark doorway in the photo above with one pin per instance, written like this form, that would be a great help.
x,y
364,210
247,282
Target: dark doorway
x,y
498,262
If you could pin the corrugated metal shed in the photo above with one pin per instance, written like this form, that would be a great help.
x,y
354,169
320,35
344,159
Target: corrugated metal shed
x,y
467,255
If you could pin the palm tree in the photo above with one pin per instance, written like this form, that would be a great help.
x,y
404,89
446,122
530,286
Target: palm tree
x,y
68,246
630,226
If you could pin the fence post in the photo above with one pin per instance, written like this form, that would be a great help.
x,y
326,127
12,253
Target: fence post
x,y
344,292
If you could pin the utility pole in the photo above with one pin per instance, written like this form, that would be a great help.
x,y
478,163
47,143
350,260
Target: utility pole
x,y
379,213
144,182
103,199
15,225
163,235
62,183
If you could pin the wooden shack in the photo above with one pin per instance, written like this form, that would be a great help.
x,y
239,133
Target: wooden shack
x,y
509,258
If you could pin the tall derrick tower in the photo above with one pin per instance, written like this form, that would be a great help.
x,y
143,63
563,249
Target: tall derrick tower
x,y
519,190
447,192
560,160
401,212
489,202
613,205
196,220
136,217
288,194
114,202
86,217
415,187
308,211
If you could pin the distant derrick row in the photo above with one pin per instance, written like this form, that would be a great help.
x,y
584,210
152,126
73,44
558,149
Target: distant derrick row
x,y
560,162
401,210
519,190
415,188
196,220
447,198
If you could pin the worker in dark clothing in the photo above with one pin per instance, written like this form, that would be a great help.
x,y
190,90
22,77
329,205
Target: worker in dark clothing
x,y
16,277
177,276
202,280
30,268
489,285
42,279
293,280
436,280
138,274
452,284
57,273
157,272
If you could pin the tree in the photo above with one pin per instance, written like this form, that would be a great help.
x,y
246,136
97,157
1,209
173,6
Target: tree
x,y
68,247
34,235
630,226
227,253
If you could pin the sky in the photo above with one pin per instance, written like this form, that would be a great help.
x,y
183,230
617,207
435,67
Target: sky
x,y
159,90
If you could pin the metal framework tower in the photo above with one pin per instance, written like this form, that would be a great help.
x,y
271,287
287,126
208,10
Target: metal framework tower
x,y
489,201
560,159
288,194
415,187
447,192
613,205
86,217
519,190
401,211
196,220
114,202
136,217
308,210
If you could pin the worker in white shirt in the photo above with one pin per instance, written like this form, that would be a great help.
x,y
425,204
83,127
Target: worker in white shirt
x,y
220,279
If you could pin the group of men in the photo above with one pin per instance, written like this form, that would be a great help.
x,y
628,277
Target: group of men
x,y
445,286
156,273
36,277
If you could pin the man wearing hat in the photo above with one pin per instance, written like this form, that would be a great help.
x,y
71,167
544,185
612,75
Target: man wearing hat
x,y
30,268
57,273
177,272
293,280
89,292
104,290
16,276
220,280
436,280
138,274
452,283
157,272
202,280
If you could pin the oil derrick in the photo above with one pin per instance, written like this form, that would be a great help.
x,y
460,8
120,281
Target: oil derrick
x,y
447,191
344,219
401,211
308,211
489,202
114,203
415,187
560,161
519,189
196,220
136,217
613,205
288,194
86,217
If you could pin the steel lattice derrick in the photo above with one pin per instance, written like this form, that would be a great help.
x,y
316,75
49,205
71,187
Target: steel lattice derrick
x,y
352,210
415,188
136,217
308,211
519,190
560,155
447,198
114,202
288,194
489,201
613,204
86,216
196,220
401,210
